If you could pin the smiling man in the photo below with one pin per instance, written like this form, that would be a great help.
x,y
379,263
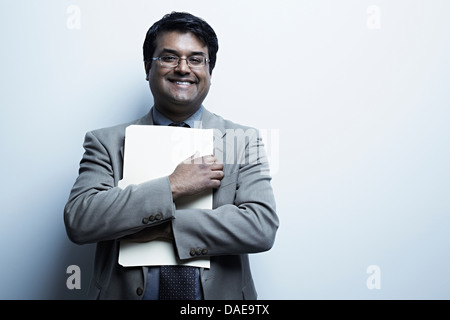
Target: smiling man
x,y
179,57
181,82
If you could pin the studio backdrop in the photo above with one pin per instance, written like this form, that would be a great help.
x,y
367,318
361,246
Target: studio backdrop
x,y
351,98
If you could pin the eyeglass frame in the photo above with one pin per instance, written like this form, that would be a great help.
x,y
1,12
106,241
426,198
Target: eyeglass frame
x,y
179,59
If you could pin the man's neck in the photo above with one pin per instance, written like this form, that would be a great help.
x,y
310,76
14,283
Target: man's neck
x,y
177,117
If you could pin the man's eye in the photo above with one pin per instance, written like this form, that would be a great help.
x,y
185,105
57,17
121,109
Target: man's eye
x,y
196,60
169,59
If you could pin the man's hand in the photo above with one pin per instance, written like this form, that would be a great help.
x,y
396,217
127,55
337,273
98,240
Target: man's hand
x,y
196,174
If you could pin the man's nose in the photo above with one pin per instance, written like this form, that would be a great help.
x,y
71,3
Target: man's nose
x,y
183,67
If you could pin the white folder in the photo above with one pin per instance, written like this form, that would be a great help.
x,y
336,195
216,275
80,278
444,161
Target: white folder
x,y
152,152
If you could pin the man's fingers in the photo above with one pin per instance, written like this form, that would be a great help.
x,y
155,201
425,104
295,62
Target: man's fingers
x,y
217,166
209,159
196,159
218,174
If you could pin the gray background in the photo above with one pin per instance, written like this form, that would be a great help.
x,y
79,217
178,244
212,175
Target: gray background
x,y
353,100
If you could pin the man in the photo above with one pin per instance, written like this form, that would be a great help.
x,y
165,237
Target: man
x,y
179,56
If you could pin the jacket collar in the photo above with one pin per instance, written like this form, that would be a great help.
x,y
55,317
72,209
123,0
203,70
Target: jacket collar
x,y
146,120
209,121
212,121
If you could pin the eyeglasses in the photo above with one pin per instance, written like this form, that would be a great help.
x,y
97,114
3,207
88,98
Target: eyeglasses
x,y
174,61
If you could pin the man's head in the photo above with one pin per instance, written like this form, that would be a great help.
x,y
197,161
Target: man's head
x,y
183,22
179,55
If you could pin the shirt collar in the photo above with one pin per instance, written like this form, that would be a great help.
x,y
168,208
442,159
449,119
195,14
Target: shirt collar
x,y
193,121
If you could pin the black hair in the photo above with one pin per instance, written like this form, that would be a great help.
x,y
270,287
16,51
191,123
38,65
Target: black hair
x,y
184,22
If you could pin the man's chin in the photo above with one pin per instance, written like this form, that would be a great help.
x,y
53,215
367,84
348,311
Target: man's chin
x,y
182,98
183,107
183,104
184,101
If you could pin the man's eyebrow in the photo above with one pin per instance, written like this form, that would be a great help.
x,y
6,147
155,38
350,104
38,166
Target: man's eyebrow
x,y
193,53
165,50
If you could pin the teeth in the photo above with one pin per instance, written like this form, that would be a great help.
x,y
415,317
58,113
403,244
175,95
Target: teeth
x,y
182,83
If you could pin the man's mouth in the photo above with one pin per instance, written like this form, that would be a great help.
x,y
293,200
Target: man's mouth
x,y
182,82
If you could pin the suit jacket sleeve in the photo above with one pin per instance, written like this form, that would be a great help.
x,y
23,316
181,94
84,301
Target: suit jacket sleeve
x,y
245,219
98,210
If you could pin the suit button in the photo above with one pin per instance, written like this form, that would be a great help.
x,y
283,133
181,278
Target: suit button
x,y
198,251
192,252
145,220
204,251
158,216
139,291
151,218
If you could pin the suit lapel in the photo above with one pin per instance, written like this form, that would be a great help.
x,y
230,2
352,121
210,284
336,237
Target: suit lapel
x,y
211,121
147,119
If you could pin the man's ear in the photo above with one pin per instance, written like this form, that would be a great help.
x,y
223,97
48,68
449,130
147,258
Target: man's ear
x,y
147,66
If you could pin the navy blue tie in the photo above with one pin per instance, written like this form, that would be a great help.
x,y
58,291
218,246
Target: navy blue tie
x,y
179,124
178,283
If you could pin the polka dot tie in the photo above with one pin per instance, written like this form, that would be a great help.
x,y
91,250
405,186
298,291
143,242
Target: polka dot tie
x,y
179,124
177,283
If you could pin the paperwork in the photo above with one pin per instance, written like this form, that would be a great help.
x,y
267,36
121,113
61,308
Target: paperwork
x,y
152,152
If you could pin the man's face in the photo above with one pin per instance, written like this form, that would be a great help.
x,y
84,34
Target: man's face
x,y
178,92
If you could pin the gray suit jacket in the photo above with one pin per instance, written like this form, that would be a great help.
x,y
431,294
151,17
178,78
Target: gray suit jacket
x,y
243,219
